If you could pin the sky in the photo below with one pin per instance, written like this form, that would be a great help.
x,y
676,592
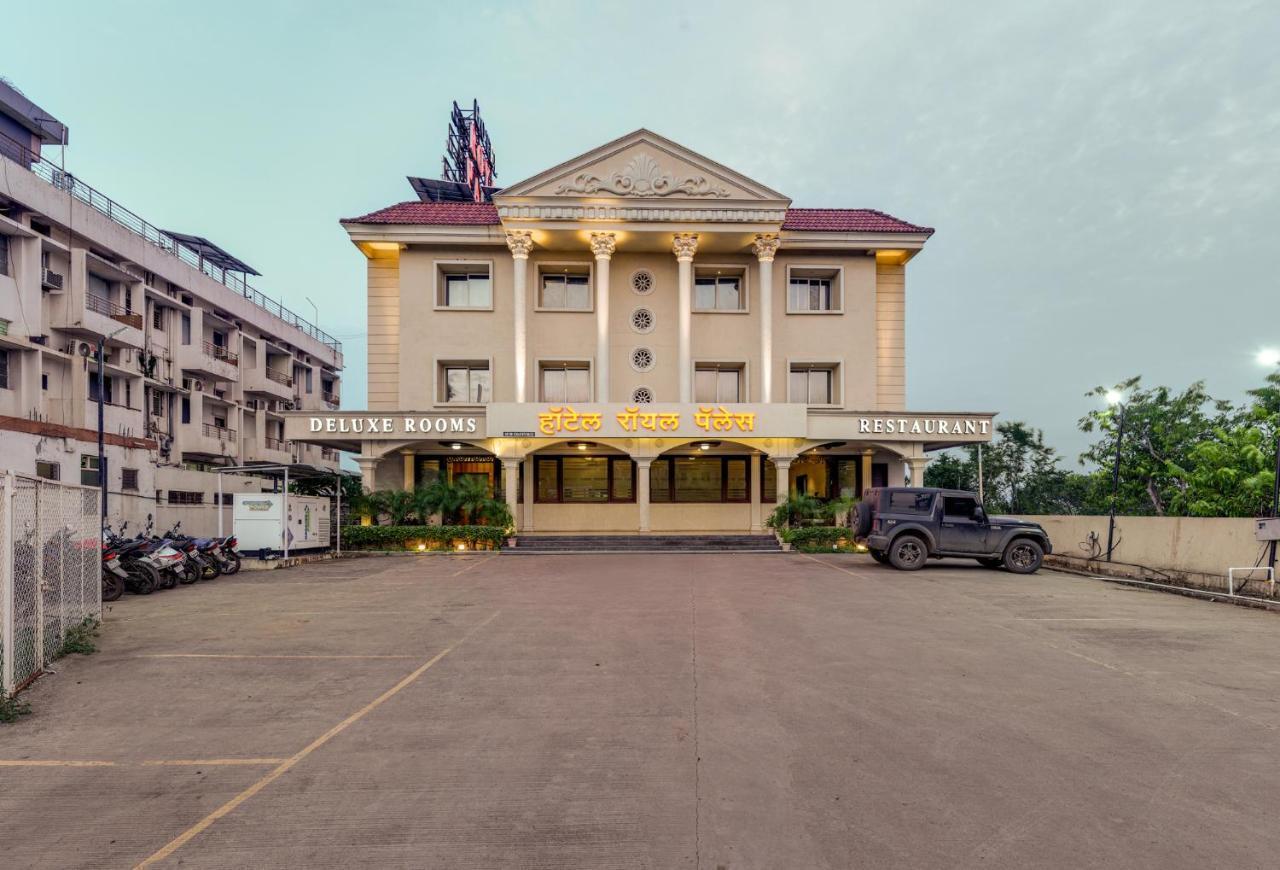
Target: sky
x,y
1104,177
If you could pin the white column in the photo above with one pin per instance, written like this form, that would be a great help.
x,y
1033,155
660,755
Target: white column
x,y
511,484
602,246
784,479
520,242
368,469
764,247
755,481
917,465
686,244
530,483
642,492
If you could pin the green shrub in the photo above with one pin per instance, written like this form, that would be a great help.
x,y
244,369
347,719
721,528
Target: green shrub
x,y
422,537
79,638
11,709
813,539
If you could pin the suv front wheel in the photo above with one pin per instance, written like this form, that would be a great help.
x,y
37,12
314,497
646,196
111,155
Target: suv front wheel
x,y
908,553
1023,556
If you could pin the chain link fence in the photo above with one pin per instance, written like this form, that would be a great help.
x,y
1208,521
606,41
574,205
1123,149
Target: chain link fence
x,y
50,571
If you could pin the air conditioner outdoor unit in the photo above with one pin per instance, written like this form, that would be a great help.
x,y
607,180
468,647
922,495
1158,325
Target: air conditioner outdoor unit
x,y
52,280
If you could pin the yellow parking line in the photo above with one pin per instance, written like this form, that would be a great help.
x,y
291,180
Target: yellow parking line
x,y
472,565
836,567
195,830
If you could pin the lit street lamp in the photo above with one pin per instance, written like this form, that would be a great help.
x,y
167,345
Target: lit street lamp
x,y
1116,400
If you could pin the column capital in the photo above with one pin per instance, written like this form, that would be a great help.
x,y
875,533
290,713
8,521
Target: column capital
x,y
520,242
603,245
765,246
685,246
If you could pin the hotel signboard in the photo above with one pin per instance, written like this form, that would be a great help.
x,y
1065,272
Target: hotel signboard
x,y
540,421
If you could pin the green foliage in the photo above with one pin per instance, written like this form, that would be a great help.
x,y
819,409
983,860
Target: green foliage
x,y
79,639
433,537
437,497
1020,474
12,709
795,511
812,539
398,504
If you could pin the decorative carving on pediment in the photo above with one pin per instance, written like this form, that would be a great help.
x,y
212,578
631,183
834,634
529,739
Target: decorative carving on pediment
x,y
642,176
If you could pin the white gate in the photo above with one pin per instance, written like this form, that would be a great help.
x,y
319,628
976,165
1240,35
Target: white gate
x,y
50,571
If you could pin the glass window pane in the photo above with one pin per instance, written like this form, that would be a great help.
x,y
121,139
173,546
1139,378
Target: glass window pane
x,y
455,292
728,389
727,294
659,481
552,291
799,387
455,385
480,385
769,482
622,485
847,478
819,387
697,478
577,294
735,481
704,293
547,490
577,385
704,385
585,478
481,291
553,385
799,291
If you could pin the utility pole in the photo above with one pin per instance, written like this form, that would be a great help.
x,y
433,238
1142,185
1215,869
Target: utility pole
x,y
1115,486
981,497
102,456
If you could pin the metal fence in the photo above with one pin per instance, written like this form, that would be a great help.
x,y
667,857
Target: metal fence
x,y
50,571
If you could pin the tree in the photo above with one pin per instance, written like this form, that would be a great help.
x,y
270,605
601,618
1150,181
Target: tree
x,y
398,504
1020,473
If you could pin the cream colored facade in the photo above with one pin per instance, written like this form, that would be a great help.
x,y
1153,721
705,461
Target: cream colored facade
x,y
644,226
200,368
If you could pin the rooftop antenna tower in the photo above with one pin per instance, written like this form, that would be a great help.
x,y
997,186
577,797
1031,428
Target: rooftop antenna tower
x,y
468,154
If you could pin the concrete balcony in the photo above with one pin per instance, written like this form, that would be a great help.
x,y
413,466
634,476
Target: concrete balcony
x,y
268,382
208,360
269,450
206,439
99,318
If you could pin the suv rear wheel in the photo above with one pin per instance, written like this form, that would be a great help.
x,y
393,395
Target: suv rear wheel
x,y
908,553
1023,556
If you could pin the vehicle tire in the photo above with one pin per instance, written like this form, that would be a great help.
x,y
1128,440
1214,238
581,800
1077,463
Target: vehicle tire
x,y
187,573
112,586
233,566
908,553
992,562
862,520
140,582
168,580
880,556
157,581
1023,556
208,569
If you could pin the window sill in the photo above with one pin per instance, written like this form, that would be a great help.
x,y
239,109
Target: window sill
x,y
721,311
540,310
831,311
460,308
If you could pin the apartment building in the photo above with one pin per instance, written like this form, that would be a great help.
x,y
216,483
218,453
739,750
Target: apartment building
x,y
639,339
198,365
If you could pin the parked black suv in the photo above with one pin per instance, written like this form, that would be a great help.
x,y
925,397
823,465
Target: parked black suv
x,y
904,526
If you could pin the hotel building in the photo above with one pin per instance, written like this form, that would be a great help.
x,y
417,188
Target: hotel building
x,y
638,340
199,366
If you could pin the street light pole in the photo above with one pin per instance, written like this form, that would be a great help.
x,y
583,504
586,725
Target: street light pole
x,y
1115,486
102,456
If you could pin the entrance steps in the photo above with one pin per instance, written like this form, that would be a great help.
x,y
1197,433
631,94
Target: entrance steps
x,y
533,545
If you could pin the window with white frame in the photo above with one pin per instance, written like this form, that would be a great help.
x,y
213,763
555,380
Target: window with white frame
x,y
565,382
813,384
719,290
717,383
564,288
466,383
813,290
465,286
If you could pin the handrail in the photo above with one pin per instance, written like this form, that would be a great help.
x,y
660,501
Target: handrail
x,y
218,351
222,433
99,202
275,443
280,377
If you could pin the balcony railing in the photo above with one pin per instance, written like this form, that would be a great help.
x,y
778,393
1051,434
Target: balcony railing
x,y
280,377
276,444
106,307
104,205
222,433
218,351
330,399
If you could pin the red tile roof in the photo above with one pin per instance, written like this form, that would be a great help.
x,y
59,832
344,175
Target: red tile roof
x,y
848,220
830,220
431,213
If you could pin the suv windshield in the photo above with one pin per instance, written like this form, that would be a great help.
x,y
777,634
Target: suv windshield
x,y
910,502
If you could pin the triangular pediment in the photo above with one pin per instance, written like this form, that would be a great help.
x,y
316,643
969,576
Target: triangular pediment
x,y
639,166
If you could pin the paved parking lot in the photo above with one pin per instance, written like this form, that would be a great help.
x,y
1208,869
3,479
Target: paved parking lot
x,y
623,711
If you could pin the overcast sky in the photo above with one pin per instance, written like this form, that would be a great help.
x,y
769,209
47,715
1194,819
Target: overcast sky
x,y
1103,176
